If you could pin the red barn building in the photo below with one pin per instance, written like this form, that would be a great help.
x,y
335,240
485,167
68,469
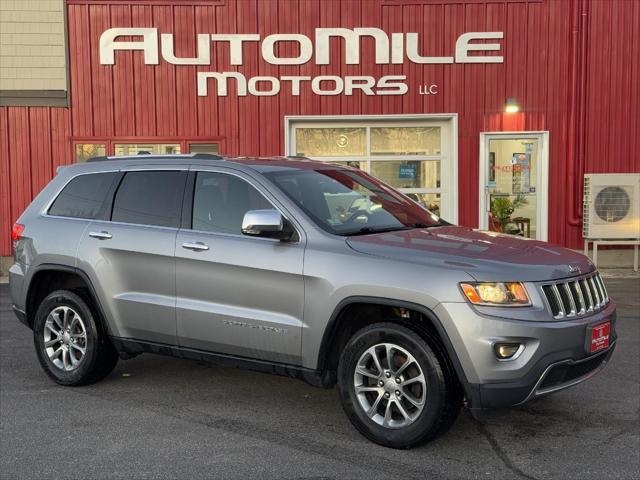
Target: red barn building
x,y
456,102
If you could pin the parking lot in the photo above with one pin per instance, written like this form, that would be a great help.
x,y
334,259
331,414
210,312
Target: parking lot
x,y
157,417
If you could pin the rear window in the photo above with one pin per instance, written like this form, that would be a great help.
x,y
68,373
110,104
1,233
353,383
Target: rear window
x,y
83,196
150,198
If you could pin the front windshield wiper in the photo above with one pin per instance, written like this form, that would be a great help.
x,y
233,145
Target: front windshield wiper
x,y
439,223
370,230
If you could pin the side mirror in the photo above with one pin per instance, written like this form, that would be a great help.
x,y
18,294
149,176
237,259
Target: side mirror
x,y
266,223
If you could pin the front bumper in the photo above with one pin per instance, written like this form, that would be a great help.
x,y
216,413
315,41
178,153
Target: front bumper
x,y
554,357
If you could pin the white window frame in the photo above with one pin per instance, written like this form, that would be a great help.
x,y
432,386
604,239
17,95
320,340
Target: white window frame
x,y
448,122
542,178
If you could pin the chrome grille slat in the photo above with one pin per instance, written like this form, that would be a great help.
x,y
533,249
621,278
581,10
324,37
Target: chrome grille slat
x,y
556,293
581,302
576,297
572,302
589,297
604,289
603,292
596,295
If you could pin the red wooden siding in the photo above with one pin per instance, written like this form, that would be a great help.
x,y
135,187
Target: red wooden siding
x,y
132,99
33,143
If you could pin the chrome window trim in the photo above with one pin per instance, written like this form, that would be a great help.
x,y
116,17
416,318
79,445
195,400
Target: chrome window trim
x,y
186,168
235,235
132,168
111,222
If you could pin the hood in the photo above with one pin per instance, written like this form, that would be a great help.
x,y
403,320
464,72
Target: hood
x,y
486,256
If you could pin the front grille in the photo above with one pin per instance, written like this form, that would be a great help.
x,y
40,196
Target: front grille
x,y
566,373
575,298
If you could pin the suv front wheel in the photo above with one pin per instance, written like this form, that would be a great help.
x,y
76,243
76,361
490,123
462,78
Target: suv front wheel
x,y
396,390
71,346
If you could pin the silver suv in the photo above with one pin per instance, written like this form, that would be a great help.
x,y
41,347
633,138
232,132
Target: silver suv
x,y
305,269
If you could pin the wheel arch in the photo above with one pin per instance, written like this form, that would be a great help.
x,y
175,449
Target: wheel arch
x,y
49,277
332,338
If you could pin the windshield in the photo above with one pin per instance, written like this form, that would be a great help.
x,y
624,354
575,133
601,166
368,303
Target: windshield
x,y
350,202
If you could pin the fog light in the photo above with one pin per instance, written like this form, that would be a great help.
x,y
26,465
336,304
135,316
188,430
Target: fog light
x,y
507,351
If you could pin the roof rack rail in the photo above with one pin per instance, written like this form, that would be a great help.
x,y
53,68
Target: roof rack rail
x,y
207,156
202,156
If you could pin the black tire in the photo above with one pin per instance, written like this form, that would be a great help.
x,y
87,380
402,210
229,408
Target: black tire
x,y
443,397
100,357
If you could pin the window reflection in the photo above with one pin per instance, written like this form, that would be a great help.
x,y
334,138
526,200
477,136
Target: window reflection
x,y
85,151
146,148
330,142
405,141
213,148
408,174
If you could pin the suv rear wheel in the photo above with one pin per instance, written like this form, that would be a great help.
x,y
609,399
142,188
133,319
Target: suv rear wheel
x,y
396,390
71,347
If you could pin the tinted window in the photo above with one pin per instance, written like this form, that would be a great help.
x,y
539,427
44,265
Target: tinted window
x,y
220,202
149,198
83,196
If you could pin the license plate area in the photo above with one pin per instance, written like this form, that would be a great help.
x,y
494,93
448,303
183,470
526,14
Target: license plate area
x,y
598,337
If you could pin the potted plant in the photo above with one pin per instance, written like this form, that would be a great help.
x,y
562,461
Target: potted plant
x,y
503,207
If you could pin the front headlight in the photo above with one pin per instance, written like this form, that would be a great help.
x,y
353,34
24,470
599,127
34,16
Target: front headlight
x,y
504,294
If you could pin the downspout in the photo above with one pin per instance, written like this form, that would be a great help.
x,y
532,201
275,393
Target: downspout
x,y
577,111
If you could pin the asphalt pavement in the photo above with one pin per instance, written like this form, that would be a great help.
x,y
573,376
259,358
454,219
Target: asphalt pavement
x,y
158,417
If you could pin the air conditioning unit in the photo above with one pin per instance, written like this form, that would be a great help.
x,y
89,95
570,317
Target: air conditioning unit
x,y
611,208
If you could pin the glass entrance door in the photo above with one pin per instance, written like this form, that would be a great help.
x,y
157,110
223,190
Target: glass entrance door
x,y
513,184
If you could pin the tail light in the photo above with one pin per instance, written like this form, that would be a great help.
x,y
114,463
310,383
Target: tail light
x,y
16,232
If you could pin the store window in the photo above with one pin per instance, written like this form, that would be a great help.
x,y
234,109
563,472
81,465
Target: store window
x,y
85,151
212,148
405,141
406,156
146,148
331,142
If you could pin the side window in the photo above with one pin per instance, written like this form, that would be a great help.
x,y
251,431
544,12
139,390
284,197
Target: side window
x,y
83,196
221,200
149,198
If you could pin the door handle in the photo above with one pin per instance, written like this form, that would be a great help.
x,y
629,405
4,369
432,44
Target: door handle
x,y
101,235
196,246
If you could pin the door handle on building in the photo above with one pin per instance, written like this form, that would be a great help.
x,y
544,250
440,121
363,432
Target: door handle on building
x,y
101,235
196,246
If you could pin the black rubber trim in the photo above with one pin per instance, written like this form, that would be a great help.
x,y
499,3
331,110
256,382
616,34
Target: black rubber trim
x,y
508,394
20,315
207,156
132,347
187,201
107,203
471,391
80,273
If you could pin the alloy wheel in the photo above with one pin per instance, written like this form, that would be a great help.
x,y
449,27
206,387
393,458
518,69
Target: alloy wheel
x,y
390,385
65,338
